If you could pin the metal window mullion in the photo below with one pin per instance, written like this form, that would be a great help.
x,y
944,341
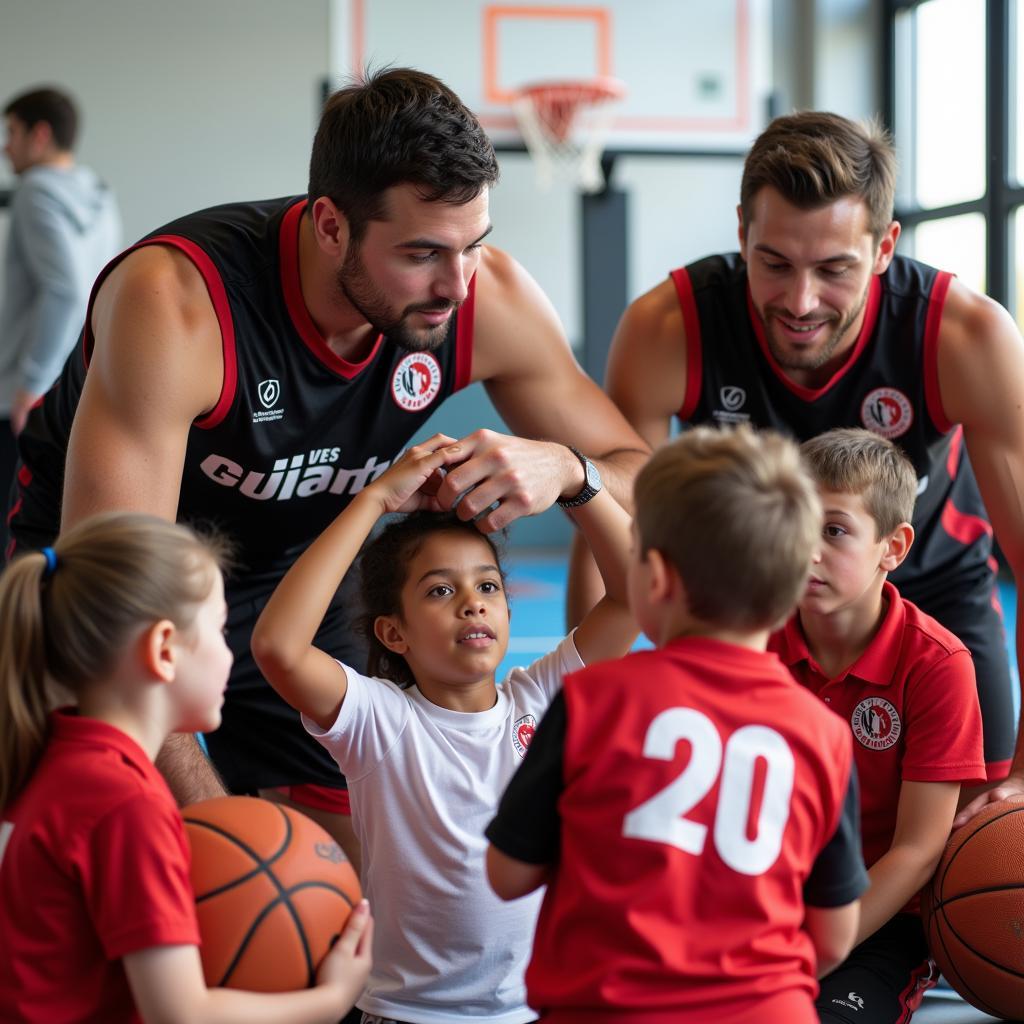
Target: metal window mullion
x,y
997,62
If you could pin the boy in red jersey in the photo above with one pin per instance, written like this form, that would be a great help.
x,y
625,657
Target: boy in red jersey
x,y
691,809
905,686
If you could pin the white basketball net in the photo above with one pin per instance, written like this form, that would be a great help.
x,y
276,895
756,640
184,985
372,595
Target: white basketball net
x,y
565,126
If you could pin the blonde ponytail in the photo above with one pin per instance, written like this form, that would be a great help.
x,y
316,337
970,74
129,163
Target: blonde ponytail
x,y
23,696
66,617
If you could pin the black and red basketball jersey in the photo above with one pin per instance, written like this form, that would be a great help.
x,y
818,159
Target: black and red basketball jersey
x,y
700,785
889,384
297,431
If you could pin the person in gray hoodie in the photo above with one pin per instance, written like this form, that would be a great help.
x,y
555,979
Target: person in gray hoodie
x,y
64,226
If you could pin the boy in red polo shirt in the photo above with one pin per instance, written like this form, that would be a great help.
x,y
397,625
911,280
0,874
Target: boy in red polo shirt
x,y
906,687
692,809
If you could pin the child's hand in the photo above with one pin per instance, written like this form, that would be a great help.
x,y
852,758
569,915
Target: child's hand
x,y
347,964
411,483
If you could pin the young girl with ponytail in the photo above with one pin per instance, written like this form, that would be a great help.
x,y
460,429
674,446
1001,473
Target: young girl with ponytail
x,y
124,614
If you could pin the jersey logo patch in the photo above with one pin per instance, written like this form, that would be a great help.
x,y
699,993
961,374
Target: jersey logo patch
x,y
733,398
416,381
522,734
887,411
876,723
268,392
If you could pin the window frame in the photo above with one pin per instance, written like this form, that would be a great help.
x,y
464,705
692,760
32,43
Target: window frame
x,y
1003,196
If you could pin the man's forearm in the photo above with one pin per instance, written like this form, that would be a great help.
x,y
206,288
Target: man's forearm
x,y
618,470
189,772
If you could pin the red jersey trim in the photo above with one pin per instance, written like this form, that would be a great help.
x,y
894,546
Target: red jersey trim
x,y
998,770
222,309
464,337
291,285
933,320
866,330
694,353
962,526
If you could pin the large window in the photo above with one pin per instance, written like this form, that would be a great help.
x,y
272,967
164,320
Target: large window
x,y
955,98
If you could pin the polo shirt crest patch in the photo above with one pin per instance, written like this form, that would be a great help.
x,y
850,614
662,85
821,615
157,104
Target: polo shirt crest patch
x,y
522,734
876,723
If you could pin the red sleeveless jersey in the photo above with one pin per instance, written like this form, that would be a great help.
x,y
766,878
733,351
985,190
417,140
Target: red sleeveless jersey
x,y
700,785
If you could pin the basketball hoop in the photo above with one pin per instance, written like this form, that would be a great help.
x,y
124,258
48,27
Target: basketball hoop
x,y
565,125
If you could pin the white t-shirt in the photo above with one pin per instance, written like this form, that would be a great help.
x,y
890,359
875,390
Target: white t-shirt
x,y
424,782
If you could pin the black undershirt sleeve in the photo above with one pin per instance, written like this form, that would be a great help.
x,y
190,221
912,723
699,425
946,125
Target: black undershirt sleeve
x,y
839,876
527,826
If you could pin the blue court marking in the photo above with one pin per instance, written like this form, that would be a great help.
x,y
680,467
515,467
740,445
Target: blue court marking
x,y
537,586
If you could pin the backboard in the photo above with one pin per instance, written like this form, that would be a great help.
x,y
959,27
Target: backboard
x,y
697,72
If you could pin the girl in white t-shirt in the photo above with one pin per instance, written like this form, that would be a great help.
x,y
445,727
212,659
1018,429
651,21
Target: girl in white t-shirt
x,y
429,745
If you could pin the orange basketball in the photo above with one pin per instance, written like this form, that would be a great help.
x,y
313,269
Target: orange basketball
x,y
272,890
974,910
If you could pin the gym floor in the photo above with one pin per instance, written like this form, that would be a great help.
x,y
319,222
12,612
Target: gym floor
x,y
537,582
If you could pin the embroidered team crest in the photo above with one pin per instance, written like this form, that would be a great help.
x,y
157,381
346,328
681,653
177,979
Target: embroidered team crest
x,y
269,391
416,381
876,723
887,411
522,734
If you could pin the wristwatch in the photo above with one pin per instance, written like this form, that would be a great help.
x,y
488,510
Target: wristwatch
x,y
591,484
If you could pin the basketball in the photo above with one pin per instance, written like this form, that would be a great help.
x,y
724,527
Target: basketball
x,y
272,891
974,910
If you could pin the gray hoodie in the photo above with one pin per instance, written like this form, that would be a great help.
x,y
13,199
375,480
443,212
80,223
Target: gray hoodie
x,y
64,226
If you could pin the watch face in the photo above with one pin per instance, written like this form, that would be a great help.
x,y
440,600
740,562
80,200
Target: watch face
x,y
593,477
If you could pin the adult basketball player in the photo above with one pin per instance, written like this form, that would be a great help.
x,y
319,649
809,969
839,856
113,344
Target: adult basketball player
x,y
817,323
255,365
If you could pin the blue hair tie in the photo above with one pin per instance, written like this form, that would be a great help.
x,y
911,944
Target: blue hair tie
x,y
51,562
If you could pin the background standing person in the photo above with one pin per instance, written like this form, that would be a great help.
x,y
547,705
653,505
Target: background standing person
x,y
258,364
64,226
818,323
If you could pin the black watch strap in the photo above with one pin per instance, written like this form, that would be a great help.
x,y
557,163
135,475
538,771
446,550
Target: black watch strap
x,y
591,481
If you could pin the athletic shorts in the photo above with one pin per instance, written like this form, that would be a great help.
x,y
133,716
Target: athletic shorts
x,y
972,612
883,980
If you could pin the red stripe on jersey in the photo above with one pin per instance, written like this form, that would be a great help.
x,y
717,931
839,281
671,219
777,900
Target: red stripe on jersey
x,y
866,330
464,337
932,394
691,325
997,770
962,526
219,297
14,510
321,798
24,478
291,284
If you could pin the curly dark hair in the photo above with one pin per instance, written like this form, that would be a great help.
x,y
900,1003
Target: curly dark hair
x,y
383,568
393,127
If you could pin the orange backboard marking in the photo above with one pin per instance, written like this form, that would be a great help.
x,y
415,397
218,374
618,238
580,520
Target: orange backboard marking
x,y
494,92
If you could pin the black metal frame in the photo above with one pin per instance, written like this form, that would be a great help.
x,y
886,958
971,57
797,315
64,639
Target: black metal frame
x,y
1002,197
